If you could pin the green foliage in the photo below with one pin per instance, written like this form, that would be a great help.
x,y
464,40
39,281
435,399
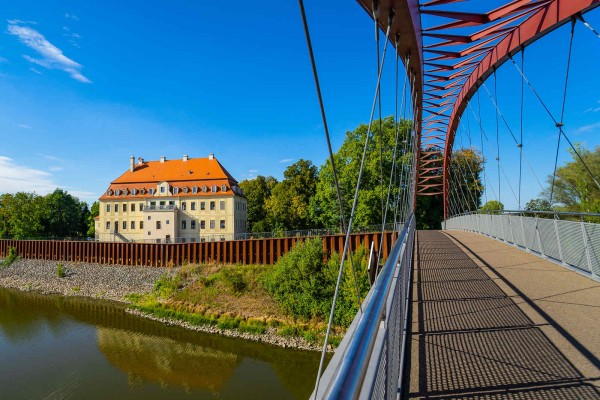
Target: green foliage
x,y
303,284
11,256
90,221
252,326
538,205
574,188
465,177
257,191
56,215
492,205
234,279
166,285
61,270
429,212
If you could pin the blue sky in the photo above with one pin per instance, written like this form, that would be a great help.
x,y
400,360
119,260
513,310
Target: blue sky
x,y
85,85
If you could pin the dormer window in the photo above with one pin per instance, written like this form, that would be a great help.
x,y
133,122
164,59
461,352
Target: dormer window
x,y
162,189
195,189
117,192
204,189
109,192
125,192
185,189
213,188
151,192
223,188
176,190
134,191
142,191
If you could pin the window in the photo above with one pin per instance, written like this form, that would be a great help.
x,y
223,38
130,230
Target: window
x,y
108,208
183,205
222,224
151,191
185,189
149,218
193,205
182,240
132,207
213,188
184,224
204,189
141,206
142,191
202,240
148,233
162,189
117,192
202,224
212,224
133,191
167,222
193,240
124,224
221,205
193,224
176,190
141,224
132,224
107,224
223,188
157,224
195,189
212,205
116,226
116,208
202,205
125,207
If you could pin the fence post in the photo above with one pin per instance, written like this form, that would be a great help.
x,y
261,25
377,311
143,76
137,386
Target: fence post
x,y
587,249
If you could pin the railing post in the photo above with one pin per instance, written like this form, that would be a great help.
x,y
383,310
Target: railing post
x,y
587,249
560,253
539,238
523,232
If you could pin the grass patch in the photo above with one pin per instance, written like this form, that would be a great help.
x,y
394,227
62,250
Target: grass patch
x,y
61,270
76,289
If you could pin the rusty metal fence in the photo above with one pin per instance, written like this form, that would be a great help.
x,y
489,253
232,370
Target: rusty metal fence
x,y
251,251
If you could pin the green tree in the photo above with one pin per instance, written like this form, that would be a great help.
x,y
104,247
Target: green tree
x,y
324,205
90,219
257,191
288,207
465,178
64,215
574,187
21,215
492,205
538,205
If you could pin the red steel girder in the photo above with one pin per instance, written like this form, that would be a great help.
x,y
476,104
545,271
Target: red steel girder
x,y
547,18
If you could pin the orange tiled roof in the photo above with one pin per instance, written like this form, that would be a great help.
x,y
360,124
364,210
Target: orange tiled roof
x,y
183,175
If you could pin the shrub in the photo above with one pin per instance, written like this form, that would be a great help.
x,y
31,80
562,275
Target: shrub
x,y
166,285
61,271
11,256
234,278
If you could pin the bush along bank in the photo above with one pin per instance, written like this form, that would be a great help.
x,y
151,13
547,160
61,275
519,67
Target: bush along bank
x,y
290,300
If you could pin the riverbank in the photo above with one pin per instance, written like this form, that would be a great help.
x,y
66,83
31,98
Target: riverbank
x,y
126,284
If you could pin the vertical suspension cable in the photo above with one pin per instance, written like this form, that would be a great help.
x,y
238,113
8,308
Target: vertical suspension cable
x,y
351,220
520,145
497,133
375,20
560,124
587,25
482,150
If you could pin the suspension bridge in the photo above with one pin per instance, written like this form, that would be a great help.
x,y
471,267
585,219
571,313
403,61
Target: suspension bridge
x,y
498,304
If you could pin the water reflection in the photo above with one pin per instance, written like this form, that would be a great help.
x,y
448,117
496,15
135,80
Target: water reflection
x,y
73,347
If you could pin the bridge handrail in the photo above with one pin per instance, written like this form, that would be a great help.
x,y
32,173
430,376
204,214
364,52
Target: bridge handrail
x,y
356,366
522,212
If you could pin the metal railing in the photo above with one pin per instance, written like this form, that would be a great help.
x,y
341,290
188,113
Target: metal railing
x,y
311,232
369,361
563,238
160,207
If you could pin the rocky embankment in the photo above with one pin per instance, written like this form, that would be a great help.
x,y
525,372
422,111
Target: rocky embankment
x,y
114,282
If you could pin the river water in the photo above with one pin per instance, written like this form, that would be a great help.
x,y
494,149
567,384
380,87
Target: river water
x,y
54,347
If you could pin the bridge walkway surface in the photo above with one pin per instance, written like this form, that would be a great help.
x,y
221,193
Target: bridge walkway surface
x,y
493,322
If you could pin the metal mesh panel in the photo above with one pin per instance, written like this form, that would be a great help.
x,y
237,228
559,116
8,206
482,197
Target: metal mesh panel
x,y
379,387
593,236
530,238
572,244
505,229
547,230
517,231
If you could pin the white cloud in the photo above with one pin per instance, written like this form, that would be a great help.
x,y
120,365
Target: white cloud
x,y
72,16
18,178
48,157
55,168
52,56
20,22
35,71
253,171
286,160
588,128
24,126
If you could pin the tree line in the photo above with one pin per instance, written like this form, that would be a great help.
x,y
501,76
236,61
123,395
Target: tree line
x,y
56,215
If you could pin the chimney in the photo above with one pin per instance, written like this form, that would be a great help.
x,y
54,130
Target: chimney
x,y
185,158
211,156
162,159
131,163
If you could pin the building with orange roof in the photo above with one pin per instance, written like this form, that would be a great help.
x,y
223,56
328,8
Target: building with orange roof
x,y
172,201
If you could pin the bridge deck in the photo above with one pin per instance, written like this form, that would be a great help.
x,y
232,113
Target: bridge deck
x,y
493,322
